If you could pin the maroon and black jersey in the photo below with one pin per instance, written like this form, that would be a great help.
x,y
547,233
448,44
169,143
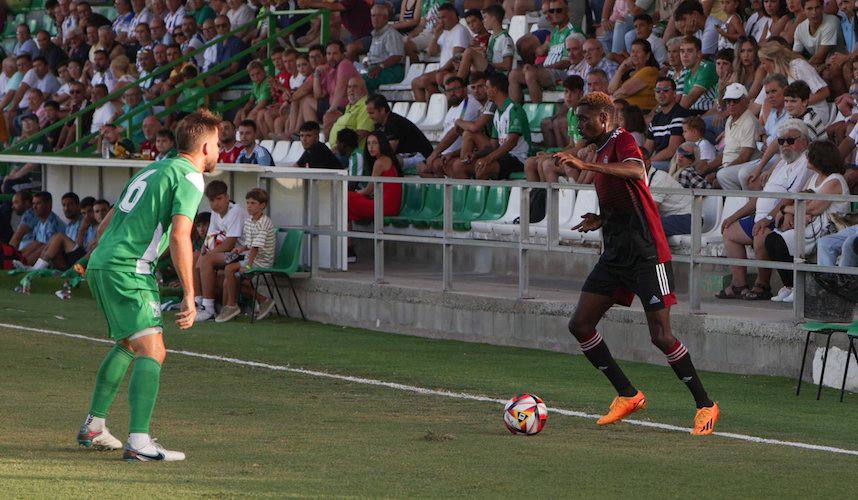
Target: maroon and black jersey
x,y
631,225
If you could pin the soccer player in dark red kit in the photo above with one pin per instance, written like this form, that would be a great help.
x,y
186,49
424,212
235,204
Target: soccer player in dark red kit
x,y
635,261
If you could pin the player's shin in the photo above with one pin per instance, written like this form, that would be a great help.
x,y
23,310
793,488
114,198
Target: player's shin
x,y
107,383
142,393
680,360
596,350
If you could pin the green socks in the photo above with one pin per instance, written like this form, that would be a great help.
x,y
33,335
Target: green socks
x,y
142,393
109,378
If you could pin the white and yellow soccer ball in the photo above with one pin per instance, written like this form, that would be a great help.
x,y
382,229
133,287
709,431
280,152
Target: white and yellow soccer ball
x,y
525,414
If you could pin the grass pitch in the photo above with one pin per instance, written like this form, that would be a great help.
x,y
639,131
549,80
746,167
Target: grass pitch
x,y
251,431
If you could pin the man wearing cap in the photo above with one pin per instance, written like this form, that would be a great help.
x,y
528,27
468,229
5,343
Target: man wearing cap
x,y
740,139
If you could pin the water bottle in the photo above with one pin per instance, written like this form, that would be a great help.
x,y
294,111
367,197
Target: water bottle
x,y
105,149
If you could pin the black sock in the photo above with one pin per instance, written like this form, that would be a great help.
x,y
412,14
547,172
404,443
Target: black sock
x,y
599,355
680,361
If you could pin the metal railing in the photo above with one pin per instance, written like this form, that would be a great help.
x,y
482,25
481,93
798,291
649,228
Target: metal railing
x,y
79,146
449,239
527,242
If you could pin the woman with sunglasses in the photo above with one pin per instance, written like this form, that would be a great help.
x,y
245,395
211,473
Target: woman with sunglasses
x,y
635,79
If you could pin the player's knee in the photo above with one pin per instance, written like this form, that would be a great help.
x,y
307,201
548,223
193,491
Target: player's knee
x,y
578,327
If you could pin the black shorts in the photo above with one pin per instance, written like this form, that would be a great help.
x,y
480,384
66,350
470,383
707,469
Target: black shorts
x,y
74,256
508,164
650,281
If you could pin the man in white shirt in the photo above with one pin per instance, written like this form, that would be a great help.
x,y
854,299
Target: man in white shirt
x,y
816,36
194,39
141,15
122,23
105,113
25,43
225,228
674,209
740,138
461,106
210,53
449,39
36,77
101,73
239,13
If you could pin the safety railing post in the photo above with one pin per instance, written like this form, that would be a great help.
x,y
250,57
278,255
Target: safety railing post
x,y
523,238
314,227
552,204
798,258
325,26
378,231
447,248
695,271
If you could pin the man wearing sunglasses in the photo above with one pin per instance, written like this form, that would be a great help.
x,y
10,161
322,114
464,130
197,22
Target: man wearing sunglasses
x,y
552,69
664,133
740,137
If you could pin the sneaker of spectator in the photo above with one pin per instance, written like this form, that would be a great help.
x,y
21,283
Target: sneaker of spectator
x,y
53,55
546,73
229,147
316,153
700,79
165,142
260,97
449,38
463,110
251,151
355,115
386,56
407,141
594,54
665,133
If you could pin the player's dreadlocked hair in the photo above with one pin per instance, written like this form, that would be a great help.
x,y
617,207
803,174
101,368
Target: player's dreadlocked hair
x,y
598,100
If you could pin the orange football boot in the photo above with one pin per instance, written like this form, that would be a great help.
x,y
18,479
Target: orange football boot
x,y
704,421
622,407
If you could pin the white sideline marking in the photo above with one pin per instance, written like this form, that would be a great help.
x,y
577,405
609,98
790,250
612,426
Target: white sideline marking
x,y
446,394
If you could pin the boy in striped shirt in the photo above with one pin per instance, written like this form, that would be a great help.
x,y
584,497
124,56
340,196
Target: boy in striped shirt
x,y
255,249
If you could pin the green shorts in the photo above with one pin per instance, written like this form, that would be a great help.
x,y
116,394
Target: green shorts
x,y
130,301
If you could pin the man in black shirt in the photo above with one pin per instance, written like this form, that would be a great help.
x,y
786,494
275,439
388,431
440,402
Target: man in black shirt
x,y
316,153
86,17
405,138
664,133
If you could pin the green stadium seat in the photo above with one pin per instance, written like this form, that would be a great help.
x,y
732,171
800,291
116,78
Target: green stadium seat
x,y
828,329
496,203
287,263
460,197
537,112
517,176
412,204
475,207
433,206
33,24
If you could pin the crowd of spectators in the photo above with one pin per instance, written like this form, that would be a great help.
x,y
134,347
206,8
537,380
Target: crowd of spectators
x,y
730,94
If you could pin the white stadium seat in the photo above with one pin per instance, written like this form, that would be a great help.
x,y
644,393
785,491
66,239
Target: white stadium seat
x,y
711,223
429,68
565,212
505,224
731,206
413,72
417,112
295,152
281,149
517,27
435,113
267,144
401,108
585,202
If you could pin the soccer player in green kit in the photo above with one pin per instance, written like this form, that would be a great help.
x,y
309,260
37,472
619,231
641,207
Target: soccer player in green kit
x,y
156,210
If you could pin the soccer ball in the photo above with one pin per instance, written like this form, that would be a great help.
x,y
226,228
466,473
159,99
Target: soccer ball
x,y
525,414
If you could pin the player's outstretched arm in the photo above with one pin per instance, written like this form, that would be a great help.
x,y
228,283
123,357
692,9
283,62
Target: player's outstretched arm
x,y
629,169
182,252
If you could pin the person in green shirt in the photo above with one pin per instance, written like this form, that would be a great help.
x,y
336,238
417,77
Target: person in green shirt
x,y
201,11
155,211
498,54
260,97
543,167
701,80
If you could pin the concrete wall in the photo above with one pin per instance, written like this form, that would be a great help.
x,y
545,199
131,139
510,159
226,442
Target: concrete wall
x,y
724,344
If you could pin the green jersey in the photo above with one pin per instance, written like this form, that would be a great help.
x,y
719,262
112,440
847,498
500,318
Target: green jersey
x,y
511,119
557,50
143,216
572,126
706,78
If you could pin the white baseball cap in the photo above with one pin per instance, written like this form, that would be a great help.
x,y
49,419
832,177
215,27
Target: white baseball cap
x,y
735,91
